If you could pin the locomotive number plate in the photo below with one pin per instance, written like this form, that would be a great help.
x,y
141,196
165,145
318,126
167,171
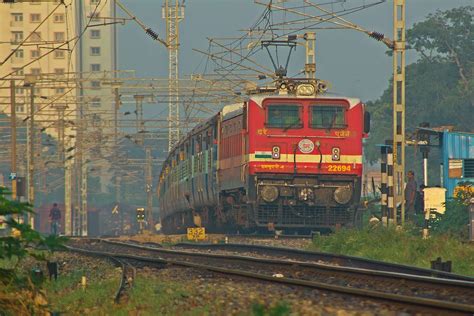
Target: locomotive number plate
x,y
339,168
196,233
306,146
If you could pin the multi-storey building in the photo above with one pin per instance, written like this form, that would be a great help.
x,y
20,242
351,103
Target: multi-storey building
x,y
61,52
29,33
85,42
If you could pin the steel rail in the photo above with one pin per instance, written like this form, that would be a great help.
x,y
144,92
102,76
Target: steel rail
x,y
411,300
309,265
350,261
124,280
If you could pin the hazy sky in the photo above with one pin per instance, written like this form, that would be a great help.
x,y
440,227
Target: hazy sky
x,y
354,64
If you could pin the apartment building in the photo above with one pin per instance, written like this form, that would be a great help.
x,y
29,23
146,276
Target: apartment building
x,y
66,50
97,56
23,40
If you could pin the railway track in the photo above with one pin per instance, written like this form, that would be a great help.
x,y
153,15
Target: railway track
x,y
304,255
126,279
417,291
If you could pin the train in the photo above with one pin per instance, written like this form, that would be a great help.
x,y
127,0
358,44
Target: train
x,y
287,158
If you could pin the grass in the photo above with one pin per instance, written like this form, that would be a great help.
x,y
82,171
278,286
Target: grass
x,y
66,295
405,247
148,296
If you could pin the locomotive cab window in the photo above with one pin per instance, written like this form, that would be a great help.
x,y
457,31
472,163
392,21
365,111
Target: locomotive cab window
x,y
284,116
328,116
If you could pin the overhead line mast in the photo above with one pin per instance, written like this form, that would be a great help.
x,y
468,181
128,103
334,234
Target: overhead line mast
x,y
173,13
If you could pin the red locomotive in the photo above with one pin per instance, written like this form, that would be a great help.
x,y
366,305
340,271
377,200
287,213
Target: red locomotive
x,y
288,158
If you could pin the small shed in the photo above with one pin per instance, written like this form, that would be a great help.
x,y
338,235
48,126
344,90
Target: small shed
x,y
457,156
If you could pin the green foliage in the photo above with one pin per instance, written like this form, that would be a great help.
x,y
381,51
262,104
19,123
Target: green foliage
x,y
26,243
439,85
455,220
404,246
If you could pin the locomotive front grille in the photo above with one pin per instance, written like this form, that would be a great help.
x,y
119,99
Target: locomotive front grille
x,y
302,215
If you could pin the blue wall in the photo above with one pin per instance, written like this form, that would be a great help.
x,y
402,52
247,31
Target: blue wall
x,y
456,146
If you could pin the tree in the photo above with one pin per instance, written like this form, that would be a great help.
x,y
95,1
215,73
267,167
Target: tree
x,y
440,84
448,37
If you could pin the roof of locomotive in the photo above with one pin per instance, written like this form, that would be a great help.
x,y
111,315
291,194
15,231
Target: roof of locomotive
x,y
232,110
259,98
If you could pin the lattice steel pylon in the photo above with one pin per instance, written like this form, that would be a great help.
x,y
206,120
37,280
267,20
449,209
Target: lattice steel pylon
x,y
173,13
399,47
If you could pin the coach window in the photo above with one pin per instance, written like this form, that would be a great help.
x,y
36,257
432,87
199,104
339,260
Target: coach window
x,y
209,139
284,116
327,116
199,143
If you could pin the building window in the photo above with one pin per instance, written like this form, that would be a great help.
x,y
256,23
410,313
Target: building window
x,y
18,71
95,33
59,36
37,91
59,18
19,53
95,84
17,36
468,168
60,90
20,108
95,67
59,71
35,53
17,17
95,51
19,91
35,18
35,37
95,102
59,54
35,71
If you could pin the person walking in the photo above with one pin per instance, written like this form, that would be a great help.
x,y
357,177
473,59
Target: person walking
x,y
410,195
55,217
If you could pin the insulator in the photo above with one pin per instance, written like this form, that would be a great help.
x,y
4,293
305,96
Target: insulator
x,y
378,36
152,34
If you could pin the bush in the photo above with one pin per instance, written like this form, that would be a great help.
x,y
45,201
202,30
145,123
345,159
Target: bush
x,y
455,220
19,292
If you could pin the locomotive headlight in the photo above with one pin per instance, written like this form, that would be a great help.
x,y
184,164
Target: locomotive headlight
x,y
269,193
306,194
305,90
336,154
276,152
343,195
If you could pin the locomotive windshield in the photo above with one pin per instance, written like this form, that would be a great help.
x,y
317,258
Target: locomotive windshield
x,y
327,116
284,116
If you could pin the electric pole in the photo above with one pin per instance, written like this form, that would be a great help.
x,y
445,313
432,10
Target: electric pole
x,y
149,190
13,138
30,82
399,26
173,13
139,118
